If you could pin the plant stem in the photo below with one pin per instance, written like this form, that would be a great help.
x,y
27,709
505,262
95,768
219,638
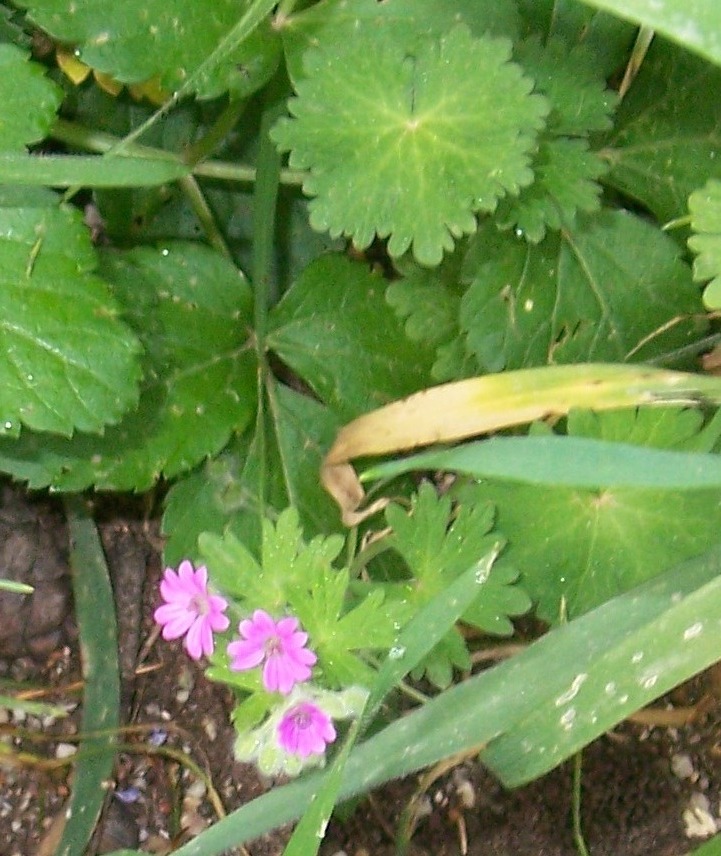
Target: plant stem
x,y
200,206
576,806
223,125
98,141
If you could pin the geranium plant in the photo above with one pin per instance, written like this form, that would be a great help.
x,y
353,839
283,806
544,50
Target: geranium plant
x,y
232,244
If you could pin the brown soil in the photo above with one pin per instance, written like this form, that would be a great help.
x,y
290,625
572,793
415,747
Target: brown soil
x,y
637,781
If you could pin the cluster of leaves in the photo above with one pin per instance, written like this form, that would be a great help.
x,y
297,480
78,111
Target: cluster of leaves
x,y
205,324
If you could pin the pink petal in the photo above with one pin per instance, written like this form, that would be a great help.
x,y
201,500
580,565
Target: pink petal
x,y
199,640
175,621
302,657
287,626
218,622
245,655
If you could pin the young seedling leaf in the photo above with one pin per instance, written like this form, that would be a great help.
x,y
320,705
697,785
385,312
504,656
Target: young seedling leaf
x,y
705,207
409,145
95,613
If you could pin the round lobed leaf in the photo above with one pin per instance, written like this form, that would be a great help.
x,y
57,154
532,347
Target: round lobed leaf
x,y
411,144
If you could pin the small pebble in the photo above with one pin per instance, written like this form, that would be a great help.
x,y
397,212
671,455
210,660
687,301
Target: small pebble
x,y
682,766
65,750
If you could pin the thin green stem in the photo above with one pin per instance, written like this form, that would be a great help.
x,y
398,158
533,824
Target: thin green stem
x,y
576,806
223,125
202,211
677,223
264,210
285,7
97,141
256,12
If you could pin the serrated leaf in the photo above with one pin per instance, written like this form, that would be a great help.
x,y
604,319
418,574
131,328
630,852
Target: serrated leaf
x,y
410,146
30,100
142,39
587,545
607,37
180,298
566,172
70,362
437,547
335,329
585,295
337,21
705,208
565,168
667,135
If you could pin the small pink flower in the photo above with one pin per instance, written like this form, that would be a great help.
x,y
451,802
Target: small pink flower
x,y
280,644
190,609
305,730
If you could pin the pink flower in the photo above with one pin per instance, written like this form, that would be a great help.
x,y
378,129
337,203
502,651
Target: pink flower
x,y
305,730
190,609
280,644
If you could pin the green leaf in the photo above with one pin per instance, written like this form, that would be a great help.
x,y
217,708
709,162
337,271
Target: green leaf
x,y
565,169
70,362
337,21
410,145
437,546
654,657
705,208
694,24
90,171
711,848
489,704
180,298
605,36
95,612
334,328
587,544
30,101
667,136
587,294
225,493
141,39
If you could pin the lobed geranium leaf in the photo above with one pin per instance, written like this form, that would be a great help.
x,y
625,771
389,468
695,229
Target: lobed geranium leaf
x,y
71,363
607,37
587,294
409,143
438,546
179,298
705,208
565,169
337,21
587,545
335,329
667,134
137,40
30,100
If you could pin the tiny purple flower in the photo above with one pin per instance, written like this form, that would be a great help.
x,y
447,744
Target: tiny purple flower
x,y
305,730
190,610
280,644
